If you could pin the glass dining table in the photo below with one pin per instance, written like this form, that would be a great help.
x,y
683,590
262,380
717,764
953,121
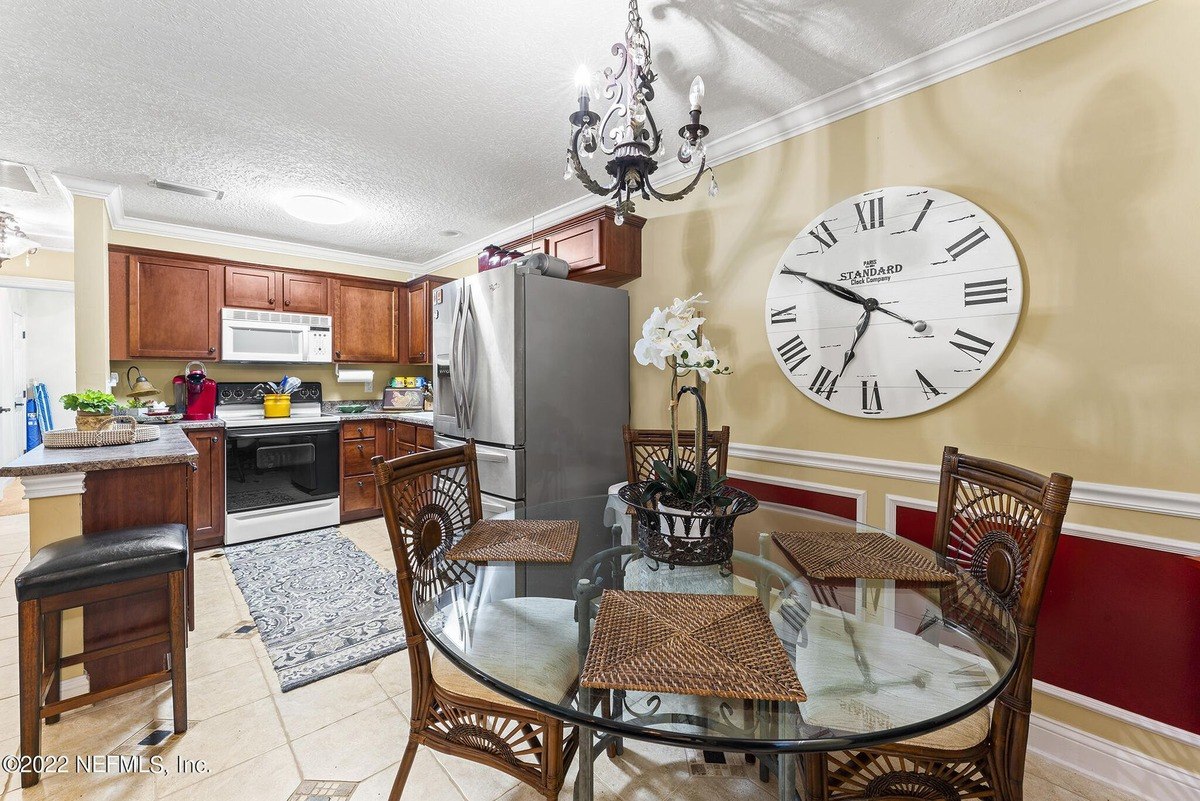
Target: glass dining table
x,y
879,660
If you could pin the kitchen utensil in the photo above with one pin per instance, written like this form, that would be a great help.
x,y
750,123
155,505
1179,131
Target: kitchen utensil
x,y
289,385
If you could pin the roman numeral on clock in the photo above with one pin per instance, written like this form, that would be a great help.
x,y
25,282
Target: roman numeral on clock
x,y
975,347
970,677
824,383
960,248
794,353
927,387
787,315
977,293
871,402
824,236
870,213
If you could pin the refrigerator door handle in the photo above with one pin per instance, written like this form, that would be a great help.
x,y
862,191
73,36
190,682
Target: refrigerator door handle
x,y
456,364
468,344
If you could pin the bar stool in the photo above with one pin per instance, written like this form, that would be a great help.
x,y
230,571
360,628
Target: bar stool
x,y
83,570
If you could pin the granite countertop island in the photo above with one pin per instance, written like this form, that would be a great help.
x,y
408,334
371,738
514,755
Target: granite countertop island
x,y
171,447
416,418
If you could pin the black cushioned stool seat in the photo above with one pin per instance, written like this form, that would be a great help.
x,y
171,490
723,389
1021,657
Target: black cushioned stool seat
x,y
99,567
105,557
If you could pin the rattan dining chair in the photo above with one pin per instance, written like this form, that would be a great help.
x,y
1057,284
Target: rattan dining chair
x,y
644,446
430,500
1000,524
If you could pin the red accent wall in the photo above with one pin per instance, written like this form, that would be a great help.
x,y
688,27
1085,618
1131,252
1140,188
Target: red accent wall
x,y
830,504
1120,624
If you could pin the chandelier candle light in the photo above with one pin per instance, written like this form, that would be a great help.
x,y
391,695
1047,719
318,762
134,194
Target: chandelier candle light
x,y
627,132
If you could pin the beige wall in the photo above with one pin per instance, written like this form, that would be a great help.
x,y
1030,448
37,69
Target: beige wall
x,y
56,265
460,268
1084,149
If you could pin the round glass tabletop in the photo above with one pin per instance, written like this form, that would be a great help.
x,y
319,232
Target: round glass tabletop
x,y
879,660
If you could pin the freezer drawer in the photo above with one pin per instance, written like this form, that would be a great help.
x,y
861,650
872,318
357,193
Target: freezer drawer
x,y
501,470
493,506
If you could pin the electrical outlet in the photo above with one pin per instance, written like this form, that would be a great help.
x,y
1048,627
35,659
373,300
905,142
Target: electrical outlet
x,y
369,386
113,380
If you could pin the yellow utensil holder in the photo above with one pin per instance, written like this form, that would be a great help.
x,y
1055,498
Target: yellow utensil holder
x,y
277,405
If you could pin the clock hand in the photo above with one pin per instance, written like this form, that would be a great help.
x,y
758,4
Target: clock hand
x,y
918,325
859,330
836,289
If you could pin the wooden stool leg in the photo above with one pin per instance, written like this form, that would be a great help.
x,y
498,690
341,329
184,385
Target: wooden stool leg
x,y
52,638
30,649
177,616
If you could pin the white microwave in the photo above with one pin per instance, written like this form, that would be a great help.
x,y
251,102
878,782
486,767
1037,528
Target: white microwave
x,y
263,336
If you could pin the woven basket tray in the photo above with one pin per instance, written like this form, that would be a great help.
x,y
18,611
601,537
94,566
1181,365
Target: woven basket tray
x,y
518,541
116,434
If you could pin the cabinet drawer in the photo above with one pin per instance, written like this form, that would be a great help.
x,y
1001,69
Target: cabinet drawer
x,y
406,432
358,429
425,437
358,495
356,457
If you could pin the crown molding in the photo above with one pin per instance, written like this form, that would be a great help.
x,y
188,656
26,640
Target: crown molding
x,y
53,485
1034,26
43,284
113,198
1113,496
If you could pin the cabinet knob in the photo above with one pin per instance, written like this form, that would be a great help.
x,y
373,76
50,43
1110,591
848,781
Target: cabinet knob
x,y
360,449
212,350
287,303
360,431
360,483
337,353
271,301
214,439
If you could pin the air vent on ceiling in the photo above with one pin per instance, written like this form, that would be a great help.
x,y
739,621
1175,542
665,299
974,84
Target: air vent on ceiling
x,y
18,177
184,189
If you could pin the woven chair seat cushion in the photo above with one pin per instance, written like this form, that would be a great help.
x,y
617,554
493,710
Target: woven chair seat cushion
x,y
530,644
825,662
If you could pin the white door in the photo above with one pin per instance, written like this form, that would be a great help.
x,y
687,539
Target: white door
x,y
11,418
20,379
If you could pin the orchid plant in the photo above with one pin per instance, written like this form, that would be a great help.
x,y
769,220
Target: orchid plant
x,y
672,340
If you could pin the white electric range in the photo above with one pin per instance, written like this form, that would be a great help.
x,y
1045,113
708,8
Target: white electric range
x,y
281,473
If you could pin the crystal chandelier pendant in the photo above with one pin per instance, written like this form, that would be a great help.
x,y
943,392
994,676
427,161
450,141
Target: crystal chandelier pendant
x,y
570,173
712,185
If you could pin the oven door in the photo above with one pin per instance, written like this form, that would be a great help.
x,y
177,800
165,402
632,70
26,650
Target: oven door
x,y
258,341
280,479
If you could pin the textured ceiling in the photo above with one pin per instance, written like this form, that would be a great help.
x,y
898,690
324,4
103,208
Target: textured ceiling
x,y
428,116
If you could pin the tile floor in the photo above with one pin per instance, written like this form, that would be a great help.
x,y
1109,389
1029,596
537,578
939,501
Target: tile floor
x,y
339,738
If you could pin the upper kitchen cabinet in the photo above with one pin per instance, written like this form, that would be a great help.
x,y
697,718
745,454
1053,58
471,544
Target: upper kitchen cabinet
x,y
276,290
597,250
173,307
420,318
368,318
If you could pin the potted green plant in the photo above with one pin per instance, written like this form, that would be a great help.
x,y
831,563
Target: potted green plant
x,y
685,513
93,408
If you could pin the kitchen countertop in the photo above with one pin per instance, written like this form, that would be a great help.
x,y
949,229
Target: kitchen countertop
x,y
171,447
416,418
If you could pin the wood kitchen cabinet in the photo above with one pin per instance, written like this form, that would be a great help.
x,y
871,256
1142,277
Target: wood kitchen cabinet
x,y
368,318
276,290
174,307
361,441
596,249
420,318
208,488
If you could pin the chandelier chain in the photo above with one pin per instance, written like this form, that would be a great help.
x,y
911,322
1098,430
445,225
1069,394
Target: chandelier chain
x,y
634,34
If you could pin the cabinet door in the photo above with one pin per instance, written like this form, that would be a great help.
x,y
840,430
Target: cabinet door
x,y
305,294
208,503
418,324
579,247
366,322
251,287
174,308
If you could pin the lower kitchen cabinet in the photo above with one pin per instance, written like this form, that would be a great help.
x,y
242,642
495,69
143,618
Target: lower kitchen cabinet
x,y
208,488
361,441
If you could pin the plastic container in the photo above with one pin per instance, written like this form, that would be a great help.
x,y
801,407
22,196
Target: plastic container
x,y
277,405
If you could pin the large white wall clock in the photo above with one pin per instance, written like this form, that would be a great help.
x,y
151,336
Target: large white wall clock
x,y
893,302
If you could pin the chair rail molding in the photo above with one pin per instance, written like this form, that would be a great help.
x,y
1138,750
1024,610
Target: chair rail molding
x,y
1113,496
859,495
50,486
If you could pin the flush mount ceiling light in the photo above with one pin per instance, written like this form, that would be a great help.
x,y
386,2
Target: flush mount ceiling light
x,y
320,209
13,241
627,132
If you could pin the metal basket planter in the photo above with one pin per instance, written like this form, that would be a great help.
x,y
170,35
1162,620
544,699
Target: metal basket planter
x,y
679,536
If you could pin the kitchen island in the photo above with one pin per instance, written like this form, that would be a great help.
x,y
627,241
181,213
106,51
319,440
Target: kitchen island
x,y
74,491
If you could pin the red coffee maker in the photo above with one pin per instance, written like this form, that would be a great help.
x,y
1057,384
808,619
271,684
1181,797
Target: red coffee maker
x,y
196,393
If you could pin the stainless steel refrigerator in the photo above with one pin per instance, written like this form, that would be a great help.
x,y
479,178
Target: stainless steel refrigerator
x,y
535,369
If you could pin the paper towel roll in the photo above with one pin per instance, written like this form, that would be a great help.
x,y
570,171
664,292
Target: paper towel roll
x,y
354,376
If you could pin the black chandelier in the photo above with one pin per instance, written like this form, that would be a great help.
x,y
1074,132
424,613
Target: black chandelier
x,y
627,132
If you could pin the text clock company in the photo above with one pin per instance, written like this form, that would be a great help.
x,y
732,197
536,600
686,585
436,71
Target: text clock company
x,y
893,302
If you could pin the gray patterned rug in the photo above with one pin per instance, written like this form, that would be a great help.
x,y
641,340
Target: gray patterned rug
x,y
321,605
